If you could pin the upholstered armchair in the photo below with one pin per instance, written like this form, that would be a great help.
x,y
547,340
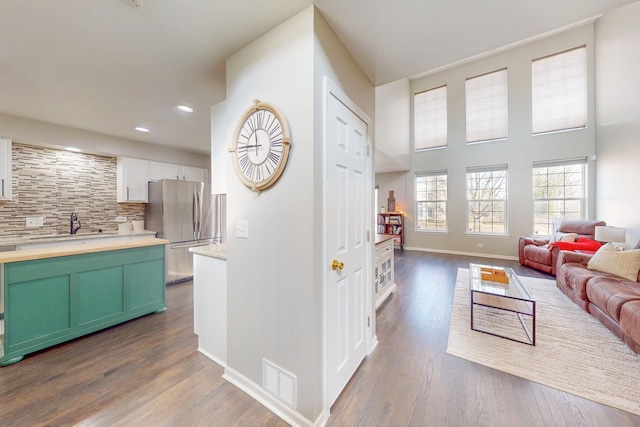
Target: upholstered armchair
x,y
535,252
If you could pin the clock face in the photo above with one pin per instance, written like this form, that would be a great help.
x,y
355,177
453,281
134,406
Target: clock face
x,y
261,146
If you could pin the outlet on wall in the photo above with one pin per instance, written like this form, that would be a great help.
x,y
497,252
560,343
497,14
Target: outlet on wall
x,y
37,221
121,219
481,245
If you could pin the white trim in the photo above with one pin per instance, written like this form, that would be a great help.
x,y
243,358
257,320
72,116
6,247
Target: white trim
x,y
212,357
267,400
480,255
330,89
386,294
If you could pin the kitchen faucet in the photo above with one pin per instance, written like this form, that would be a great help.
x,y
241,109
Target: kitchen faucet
x,y
74,217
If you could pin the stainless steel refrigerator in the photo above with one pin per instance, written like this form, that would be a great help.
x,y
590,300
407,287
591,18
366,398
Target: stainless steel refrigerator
x,y
186,214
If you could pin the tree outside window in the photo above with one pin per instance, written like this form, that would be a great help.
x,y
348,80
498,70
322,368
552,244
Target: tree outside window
x,y
558,193
487,200
431,201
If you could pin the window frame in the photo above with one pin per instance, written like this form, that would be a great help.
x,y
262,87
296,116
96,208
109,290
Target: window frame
x,y
552,222
437,201
504,189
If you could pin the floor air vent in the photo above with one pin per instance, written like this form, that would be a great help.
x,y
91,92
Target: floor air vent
x,y
279,382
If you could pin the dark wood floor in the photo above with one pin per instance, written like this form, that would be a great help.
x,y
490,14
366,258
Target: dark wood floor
x,y
147,372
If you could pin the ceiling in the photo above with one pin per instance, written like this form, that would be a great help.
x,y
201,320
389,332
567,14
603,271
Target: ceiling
x,y
107,67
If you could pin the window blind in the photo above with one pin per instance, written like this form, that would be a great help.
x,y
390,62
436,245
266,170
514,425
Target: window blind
x,y
563,162
430,118
486,101
559,91
431,173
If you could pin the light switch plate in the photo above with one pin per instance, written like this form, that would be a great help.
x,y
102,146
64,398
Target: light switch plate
x,y
242,229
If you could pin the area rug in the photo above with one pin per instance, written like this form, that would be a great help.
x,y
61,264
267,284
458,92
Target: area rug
x,y
574,352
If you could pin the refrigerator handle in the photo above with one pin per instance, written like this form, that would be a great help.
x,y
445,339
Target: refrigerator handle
x,y
197,214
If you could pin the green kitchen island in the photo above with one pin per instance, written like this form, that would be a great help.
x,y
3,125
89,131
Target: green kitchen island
x,y
52,295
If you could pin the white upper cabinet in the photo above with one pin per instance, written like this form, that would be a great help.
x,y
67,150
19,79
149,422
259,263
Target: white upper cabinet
x,y
133,178
160,170
5,169
190,173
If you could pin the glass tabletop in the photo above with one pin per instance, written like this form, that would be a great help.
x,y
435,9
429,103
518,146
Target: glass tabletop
x,y
496,281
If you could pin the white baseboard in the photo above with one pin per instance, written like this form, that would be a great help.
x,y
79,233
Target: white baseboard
x,y
270,402
212,357
482,255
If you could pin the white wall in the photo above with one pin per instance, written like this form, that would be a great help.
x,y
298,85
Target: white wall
x,y
33,132
272,309
519,151
393,124
618,119
220,143
395,181
275,277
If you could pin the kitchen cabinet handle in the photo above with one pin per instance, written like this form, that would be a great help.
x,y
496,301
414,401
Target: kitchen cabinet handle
x,y
127,193
2,187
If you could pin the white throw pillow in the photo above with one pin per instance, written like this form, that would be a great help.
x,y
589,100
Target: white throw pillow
x,y
624,263
564,237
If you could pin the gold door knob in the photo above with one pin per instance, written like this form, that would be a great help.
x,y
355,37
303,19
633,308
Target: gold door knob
x,y
337,265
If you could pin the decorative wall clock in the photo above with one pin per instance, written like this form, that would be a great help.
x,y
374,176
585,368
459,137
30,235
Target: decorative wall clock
x,y
260,146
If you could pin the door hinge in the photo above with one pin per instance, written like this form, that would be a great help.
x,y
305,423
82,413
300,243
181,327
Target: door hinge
x,y
368,236
368,150
368,321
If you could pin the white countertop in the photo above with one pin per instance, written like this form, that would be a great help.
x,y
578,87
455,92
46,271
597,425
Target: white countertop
x,y
381,238
217,250
25,240
66,250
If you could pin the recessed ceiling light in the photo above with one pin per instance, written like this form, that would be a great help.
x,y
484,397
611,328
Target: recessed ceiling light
x,y
185,108
142,129
74,149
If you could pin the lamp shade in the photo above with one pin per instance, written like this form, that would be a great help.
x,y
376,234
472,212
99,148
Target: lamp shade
x,y
610,234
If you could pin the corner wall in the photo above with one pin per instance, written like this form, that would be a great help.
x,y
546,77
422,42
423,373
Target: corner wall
x,y
618,120
272,300
275,277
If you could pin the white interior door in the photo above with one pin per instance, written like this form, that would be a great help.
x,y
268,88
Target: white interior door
x,y
347,221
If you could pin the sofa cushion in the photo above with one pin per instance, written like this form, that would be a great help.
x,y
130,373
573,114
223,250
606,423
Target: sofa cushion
x,y
625,264
630,321
610,294
575,277
537,254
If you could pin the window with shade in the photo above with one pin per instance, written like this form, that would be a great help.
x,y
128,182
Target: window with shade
x,y
430,119
431,201
487,200
558,193
486,105
559,91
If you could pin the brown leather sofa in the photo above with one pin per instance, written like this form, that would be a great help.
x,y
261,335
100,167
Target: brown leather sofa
x,y
613,300
534,252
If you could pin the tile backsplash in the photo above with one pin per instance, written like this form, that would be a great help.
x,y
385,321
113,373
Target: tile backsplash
x,y
53,183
